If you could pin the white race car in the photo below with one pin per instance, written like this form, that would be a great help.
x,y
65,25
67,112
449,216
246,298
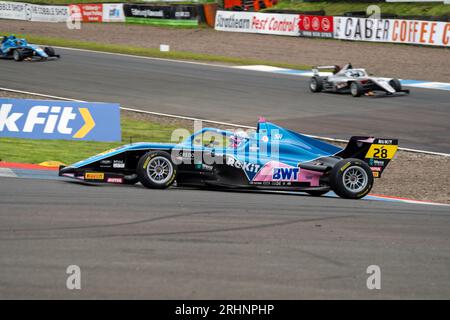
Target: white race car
x,y
354,81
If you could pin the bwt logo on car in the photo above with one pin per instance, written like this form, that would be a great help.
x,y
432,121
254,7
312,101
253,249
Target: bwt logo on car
x,y
38,119
285,174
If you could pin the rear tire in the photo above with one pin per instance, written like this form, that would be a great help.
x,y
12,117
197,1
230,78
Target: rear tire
x,y
356,89
156,170
18,55
316,84
395,83
351,179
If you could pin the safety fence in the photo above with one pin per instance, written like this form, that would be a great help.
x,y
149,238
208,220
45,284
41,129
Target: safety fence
x,y
356,28
417,32
155,14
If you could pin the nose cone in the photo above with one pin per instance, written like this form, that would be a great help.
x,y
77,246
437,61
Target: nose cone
x,y
66,171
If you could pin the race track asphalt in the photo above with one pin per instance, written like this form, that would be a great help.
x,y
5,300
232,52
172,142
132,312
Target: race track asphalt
x,y
182,243
420,120
131,242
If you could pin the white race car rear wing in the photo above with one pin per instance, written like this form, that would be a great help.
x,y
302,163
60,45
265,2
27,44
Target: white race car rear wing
x,y
317,69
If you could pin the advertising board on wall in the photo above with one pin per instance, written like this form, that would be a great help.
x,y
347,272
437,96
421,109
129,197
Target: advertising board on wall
x,y
108,12
161,14
13,10
254,22
87,12
47,13
113,12
418,32
316,26
33,12
46,119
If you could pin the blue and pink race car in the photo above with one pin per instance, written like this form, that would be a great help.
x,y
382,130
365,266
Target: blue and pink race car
x,y
19,50
271,158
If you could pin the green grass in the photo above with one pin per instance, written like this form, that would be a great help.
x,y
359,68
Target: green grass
x,y
152,52
333,8
68,151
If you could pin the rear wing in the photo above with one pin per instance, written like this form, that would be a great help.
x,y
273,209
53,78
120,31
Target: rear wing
x,y
317,69
376,152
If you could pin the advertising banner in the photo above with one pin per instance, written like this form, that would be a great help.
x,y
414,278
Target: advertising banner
x,y
254,22
161,14
433,33
42,119
47,13
87,12
316,26
33,12
113,12
13,10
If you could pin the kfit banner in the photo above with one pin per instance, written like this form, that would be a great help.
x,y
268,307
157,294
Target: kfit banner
x,y
42,119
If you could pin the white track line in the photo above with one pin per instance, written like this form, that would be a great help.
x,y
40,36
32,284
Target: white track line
x,y
149,58
210,121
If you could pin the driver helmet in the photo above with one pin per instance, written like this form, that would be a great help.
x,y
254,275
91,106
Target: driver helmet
x,y
237,138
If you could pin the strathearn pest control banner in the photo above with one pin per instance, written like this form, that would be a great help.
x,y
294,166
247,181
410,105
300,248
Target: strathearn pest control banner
x,y
433,33
255,22
46,119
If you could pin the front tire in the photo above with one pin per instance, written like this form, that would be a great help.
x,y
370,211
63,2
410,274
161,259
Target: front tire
x,y
356,89
49,51
395,83
316,84
156,170
18,55
351,179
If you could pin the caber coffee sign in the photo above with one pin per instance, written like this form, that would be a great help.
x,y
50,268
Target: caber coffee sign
x,y
435,33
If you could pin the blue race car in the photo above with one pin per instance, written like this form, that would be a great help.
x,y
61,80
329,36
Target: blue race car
x,y
20,49
270,158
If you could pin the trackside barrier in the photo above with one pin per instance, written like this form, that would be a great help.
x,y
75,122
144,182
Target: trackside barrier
x,y
61,13
433,33
157,14
417,32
